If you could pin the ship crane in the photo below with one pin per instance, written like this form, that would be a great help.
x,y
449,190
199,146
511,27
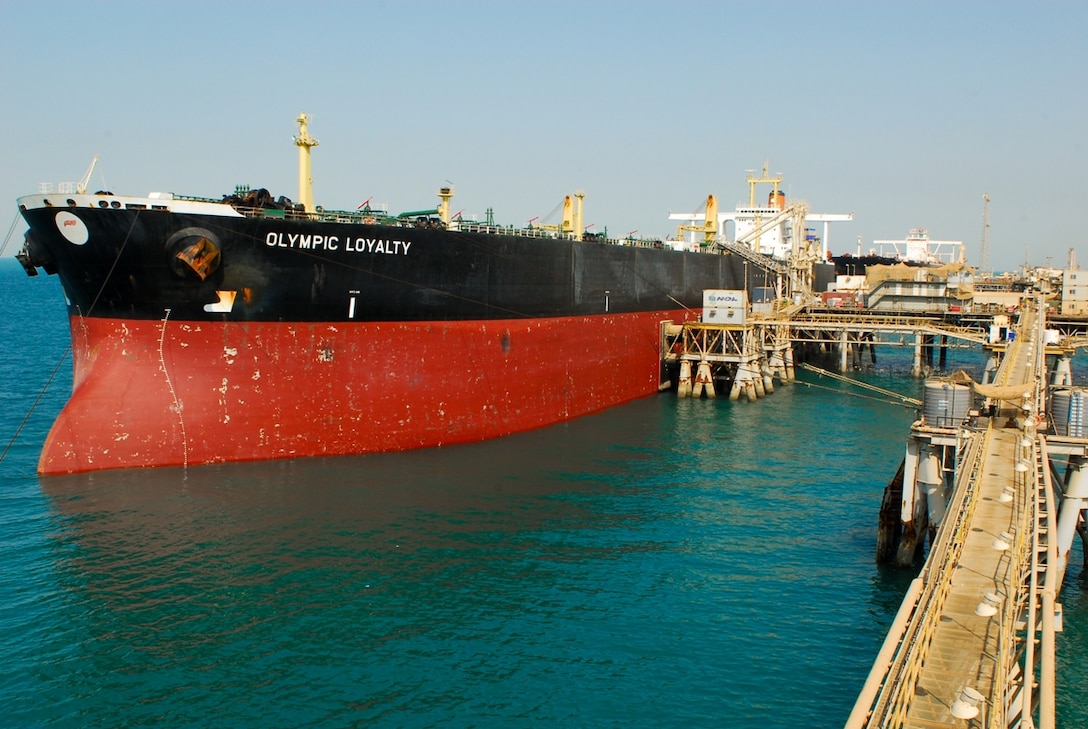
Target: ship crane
x,y
567,225
709,228
81,186
572,217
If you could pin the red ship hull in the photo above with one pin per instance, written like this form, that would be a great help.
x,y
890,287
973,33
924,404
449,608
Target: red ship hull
x,y
169,393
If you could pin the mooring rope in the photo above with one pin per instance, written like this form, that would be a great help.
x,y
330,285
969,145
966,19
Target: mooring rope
x,y
7,238
34,405
866,385
907,405
68,349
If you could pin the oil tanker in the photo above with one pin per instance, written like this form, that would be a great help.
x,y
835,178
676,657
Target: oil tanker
x,y
249,328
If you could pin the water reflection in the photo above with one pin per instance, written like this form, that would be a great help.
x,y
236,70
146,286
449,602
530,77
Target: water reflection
x,y
364,517
334,578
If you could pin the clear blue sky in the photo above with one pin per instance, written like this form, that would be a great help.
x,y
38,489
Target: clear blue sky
x,y
903,113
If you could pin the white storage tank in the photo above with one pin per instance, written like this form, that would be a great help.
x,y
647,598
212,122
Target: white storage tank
x,y
1067,409
945,403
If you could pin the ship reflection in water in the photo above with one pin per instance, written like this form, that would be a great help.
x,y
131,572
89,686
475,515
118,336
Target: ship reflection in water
x,y
327,591
371,516
571,575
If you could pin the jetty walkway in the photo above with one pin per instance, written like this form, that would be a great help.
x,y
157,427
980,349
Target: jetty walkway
x,y
973,642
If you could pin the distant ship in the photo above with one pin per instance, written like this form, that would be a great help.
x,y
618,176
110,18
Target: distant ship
x,y
917,249
252,327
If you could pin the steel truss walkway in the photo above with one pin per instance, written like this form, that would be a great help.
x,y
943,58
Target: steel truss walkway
x,y
973,642
828,328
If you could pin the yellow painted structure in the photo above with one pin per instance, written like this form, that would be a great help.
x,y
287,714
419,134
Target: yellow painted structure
x,y
445,194
709,228
568,215
305,142
753,181
710,224
579,226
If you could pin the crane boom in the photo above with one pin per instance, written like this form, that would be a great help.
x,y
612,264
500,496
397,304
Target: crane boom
x,y
81,186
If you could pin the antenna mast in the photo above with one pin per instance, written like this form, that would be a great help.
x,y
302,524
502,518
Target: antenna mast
x,y
984,249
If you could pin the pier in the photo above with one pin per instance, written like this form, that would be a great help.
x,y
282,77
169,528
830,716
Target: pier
x,y
973,642
751,351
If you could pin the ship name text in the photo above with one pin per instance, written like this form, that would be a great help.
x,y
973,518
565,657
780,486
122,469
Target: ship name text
x,y
315,242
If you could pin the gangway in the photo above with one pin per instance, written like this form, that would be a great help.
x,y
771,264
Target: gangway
x,y
768,263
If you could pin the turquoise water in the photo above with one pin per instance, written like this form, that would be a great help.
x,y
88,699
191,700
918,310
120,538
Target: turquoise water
x,y
665,563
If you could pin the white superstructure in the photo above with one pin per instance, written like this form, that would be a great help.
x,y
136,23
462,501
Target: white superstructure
x,y
777,229
918,247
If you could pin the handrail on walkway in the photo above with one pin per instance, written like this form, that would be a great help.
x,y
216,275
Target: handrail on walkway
x,y
887,693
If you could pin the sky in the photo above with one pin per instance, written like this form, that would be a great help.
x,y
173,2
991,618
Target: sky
x,y
902,113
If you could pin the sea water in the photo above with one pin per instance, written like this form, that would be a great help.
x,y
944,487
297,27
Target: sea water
x,y
666,563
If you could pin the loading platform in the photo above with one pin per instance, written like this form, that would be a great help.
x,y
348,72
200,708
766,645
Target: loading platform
x,y
757,349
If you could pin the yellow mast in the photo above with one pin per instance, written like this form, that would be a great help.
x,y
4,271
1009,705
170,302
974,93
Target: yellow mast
x,y
578,227
753,181
305,181
445,194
